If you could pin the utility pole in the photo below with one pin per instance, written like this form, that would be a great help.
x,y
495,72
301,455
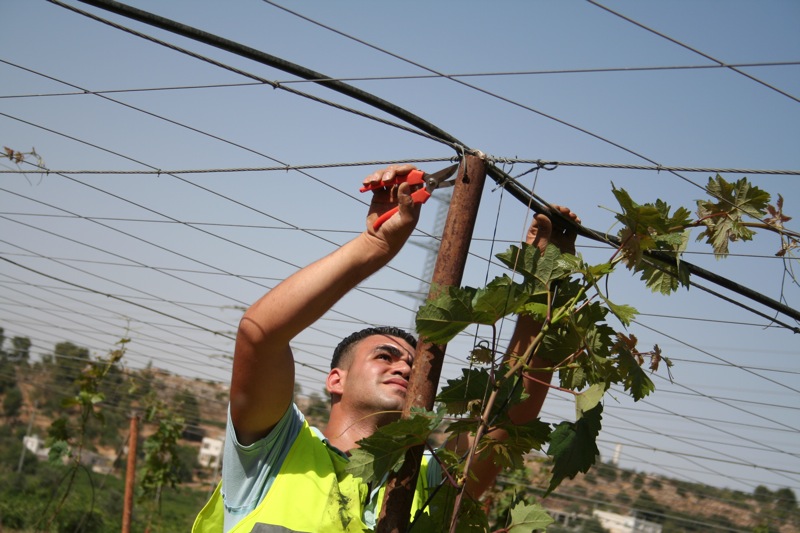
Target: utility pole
x,y
130,474
432,246
427,368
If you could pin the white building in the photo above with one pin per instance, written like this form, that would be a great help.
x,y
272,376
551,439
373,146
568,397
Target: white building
x,y
35,445
210,455
617,523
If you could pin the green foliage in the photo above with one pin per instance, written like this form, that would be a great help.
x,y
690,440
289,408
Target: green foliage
x,y
590,356
384,450
12,403
162,466
648,508
525,518
166,463
471,518
20,349
592,525
24,500
468,393
651,228
64,435
607,471
190,410
724,216
573,446
67,436
8,374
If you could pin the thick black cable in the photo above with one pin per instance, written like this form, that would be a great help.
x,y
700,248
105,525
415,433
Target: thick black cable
x,y
425,128
497,174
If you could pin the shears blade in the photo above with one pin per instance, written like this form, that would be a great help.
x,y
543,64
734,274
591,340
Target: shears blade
x,y
438,179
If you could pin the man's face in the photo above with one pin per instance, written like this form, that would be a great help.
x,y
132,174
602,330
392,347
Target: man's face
x,y
376,378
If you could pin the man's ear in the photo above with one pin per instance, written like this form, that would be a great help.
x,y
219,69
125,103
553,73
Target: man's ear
x,y
335,381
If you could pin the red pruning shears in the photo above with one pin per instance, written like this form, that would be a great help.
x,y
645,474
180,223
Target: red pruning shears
x,y
430,183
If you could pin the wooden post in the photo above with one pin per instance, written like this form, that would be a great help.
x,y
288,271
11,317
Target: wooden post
x,y
130,475
424,379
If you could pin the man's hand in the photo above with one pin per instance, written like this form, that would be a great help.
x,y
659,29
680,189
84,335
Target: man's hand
x,y
543,230
395,231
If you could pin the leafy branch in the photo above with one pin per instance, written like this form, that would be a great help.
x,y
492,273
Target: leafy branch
x,y
564,294
66,439
162,463
651,227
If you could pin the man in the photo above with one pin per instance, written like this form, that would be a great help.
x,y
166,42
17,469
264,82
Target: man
x,y
279,475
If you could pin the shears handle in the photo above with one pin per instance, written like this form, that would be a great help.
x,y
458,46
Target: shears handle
x,y
415,177
419,196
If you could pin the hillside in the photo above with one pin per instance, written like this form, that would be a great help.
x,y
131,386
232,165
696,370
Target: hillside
x,y
679,506
683,506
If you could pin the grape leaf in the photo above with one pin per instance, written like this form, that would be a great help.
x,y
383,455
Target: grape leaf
x,y
526,518
471,517
442,318
522,438
723,219
588,399
573,446
664,278
384,450
448,314
500,297
538,269
467,393
648,228
459,392
633,376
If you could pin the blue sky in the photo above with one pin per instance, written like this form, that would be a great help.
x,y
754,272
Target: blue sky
x,y
192,249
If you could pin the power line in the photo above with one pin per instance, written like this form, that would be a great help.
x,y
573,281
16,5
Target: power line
x,y
696,51
256,55
516,189
404,77
548,165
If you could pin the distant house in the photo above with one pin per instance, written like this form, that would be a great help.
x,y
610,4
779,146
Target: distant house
x,y
94,461
98,463
617,523
210,455
35,445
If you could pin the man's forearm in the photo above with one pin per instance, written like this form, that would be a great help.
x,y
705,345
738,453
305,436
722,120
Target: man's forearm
x,y
302,298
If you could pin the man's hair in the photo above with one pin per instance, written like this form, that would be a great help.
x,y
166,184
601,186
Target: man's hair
x,y
344,348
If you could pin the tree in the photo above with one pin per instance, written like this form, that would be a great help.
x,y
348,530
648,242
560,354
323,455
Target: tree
x,y
20,351
162,466
12,403
318,407
648,508
67,436
189,408
593,525
762,494
786,499
8,373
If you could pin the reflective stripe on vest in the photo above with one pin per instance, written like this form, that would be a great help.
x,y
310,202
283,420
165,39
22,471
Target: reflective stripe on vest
x,y
311,494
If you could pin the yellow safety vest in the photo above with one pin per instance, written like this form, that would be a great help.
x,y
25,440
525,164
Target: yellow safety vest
x,y
312,493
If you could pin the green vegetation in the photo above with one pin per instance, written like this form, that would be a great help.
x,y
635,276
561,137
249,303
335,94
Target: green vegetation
x,y
28,497
88,406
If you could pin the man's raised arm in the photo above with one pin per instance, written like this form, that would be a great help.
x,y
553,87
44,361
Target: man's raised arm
x,y
262,382
543,231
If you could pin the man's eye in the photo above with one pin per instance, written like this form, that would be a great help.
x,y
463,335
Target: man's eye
x,y
385,356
